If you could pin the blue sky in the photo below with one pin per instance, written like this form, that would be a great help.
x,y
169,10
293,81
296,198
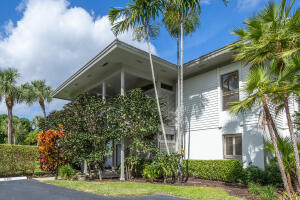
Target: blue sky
x,y
32,35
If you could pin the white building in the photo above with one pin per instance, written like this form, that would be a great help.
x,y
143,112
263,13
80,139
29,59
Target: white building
x,y
210,82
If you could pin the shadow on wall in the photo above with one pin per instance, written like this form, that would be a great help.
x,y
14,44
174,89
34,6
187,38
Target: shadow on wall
x,y
252,138
193,109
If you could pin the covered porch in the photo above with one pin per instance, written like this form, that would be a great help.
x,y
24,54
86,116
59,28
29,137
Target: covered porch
x,y
120,68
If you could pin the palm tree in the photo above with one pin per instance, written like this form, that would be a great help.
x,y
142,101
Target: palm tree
x,y
12,94
38,91
272,34
286,150
172,21
181,17
258,88
140,16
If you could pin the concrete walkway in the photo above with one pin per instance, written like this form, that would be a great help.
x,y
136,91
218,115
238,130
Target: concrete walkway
x,y
35,190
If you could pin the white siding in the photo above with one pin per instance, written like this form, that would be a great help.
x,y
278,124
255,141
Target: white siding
x,y
201,102
206,122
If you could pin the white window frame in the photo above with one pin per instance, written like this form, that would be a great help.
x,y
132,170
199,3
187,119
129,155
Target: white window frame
x,y
234,156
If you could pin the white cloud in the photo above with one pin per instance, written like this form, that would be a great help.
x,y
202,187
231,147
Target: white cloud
x,y
52,41
205,1
247,4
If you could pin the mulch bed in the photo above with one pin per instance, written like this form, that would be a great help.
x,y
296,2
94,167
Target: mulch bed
x,y
233,189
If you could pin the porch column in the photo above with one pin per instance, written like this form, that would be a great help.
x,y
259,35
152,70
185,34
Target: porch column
x,y
104,90
122,175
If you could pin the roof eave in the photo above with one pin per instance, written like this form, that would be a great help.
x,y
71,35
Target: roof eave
x,y
116,43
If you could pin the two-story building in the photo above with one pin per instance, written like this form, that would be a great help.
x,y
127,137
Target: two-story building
x,y
210,83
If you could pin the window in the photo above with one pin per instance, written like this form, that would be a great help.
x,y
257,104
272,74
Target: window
x,y
233,146
230,88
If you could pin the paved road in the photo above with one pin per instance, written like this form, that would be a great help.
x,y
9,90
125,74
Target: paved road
x,y
34,190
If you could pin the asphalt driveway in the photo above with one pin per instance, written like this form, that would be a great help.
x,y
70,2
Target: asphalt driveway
x,y
34,190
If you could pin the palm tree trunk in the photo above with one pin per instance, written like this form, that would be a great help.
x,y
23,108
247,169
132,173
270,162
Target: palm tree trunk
x,y
277,153
156,95
179,121
10,125
290,182
181,99
178,98
293,138
181,81
42,104
275,129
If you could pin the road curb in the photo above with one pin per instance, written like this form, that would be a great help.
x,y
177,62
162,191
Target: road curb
x,y
13,178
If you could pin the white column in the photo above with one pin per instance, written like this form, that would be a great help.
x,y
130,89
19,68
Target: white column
x,y
122,175
104,90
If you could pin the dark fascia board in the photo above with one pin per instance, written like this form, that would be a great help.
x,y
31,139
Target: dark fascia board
x,y
111,46
222,50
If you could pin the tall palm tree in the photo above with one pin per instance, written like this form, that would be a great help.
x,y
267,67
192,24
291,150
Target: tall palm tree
x,y
172,20
140,16
274,33
181,17
38,91
257,88
12,94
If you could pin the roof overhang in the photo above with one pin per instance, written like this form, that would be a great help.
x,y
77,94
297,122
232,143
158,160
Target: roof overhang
x,y
115,57
119,56
218,58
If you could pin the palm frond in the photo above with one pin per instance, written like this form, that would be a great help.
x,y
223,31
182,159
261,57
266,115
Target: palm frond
x,y
243,106
288,9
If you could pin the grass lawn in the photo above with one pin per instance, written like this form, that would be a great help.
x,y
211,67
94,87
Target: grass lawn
x,y
138,189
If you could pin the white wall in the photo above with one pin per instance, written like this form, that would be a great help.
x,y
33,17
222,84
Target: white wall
x,y
206,122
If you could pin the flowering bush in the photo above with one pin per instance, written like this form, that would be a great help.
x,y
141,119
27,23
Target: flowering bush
x,y
47,141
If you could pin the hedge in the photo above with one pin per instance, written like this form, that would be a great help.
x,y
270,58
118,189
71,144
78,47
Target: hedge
x,y
17,160
219,170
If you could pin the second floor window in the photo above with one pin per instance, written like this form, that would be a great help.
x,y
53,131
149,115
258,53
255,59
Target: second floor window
x,y
230,88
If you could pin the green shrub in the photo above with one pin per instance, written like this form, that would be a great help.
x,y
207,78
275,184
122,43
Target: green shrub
x,y
67,172
220,170
152,171
163,166
264,192
16,160
253,174
273,175
270,176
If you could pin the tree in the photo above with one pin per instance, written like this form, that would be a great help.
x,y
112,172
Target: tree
x,y
11,93
272,34
181,17
140,126
32,136
21,126
87,133
140,16
172,21
3,129
38,91
258,88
